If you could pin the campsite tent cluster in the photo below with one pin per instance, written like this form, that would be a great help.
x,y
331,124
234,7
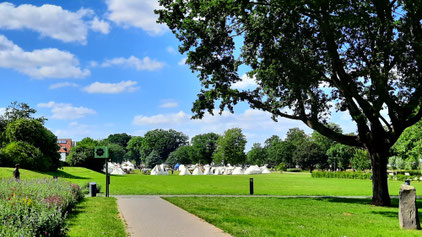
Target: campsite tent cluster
x,y
210,170
120,169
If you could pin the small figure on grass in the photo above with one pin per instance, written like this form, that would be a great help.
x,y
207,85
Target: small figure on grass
x,y
16,173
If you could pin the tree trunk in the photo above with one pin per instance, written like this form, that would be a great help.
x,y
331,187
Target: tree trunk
x,y
379,158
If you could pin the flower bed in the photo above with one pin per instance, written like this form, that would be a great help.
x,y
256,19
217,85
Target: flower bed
x,y
36,207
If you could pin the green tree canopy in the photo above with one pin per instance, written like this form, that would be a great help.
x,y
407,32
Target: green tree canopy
x,y
33,132
231,147
121,139
153,159
116,152
204,146
308,155
163,142
306,58
257,155
182,155
83,155
409,145
339,156
134,149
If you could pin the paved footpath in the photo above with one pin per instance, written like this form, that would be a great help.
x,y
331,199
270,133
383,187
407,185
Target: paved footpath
x,y
152,216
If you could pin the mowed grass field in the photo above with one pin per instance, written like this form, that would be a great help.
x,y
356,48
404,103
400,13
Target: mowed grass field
x,y
266,184
244,216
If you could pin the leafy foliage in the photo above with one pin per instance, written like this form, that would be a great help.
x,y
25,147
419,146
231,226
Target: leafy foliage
x,y
204,146
83,155
231,147
121,139
153,159
257,155
182,155
134,149
163,142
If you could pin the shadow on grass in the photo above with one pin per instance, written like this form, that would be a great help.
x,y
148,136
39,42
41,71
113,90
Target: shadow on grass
x,y
62,174
71,217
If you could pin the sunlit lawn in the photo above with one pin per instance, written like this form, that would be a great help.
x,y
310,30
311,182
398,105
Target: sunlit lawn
x,y
96,217
268,184
296,216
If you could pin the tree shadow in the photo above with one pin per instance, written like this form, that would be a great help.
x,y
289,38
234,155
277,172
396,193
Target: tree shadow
x,y
73,214
62,174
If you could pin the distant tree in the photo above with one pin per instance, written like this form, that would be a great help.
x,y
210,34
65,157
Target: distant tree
x,y
257,155
121,139
324,142
34,133
279,151
182,155
153,159
308,155
361,160
204,146
83,155
116,152
163,142
409,145
231,147
134,149
339,156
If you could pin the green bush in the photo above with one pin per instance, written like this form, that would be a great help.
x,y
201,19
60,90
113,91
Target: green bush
x,y
341,175
23,153
85,188
293,170
411,172
36,207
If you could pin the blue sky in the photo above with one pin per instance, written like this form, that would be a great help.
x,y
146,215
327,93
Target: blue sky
x,y
94,68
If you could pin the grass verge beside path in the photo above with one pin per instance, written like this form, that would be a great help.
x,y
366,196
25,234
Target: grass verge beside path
x,y
96,217
296,217
294,184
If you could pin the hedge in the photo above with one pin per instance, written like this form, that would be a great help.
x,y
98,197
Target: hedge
x,y
341,175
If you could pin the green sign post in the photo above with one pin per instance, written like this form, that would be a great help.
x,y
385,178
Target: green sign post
x,y
101,152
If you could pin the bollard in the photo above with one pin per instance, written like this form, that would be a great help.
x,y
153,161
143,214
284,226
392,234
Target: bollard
x,y
407,182
251,186
93,189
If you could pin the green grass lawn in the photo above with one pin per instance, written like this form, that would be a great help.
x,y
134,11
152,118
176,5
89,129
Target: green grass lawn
x,y
296,216
96,217
269,184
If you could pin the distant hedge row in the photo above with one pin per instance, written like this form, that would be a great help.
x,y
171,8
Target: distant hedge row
x,y
341,175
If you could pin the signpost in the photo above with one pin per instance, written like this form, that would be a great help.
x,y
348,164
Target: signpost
x,y
101,152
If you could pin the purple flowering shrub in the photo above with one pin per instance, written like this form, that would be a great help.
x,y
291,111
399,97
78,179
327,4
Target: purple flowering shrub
x,y
36,207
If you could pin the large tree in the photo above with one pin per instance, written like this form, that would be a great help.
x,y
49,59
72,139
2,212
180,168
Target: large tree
x,y
204,146
231,147
362,56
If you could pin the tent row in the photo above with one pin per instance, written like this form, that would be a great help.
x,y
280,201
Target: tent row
x,y
119,169
210,170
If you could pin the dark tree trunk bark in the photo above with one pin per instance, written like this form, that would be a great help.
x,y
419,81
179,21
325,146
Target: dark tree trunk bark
x,y
379,158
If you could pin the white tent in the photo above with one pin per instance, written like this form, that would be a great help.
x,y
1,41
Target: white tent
x,y
228,170
184,171
218,170
118,171
197,171
207,170
159,170
128,166
265,170
237,171
253,169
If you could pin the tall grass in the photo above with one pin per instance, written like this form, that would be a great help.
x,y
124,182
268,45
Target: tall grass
x,y
36,207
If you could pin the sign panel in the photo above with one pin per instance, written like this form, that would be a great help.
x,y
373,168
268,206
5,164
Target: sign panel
x,y
101,152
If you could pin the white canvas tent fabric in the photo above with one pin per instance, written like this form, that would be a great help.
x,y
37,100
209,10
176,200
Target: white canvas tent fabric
x,y
218,170
265,170
253,169
159,170
118,171
228,170
181,167
128,166
207,170
184,171
197,171
238,171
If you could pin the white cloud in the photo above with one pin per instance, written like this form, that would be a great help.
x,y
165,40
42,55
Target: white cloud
x,y
100,26
50,20
2,110
63,84
111,88
245,83
169,104
171,50
66,111
182,61
161,119
40,63
135,13
145,64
